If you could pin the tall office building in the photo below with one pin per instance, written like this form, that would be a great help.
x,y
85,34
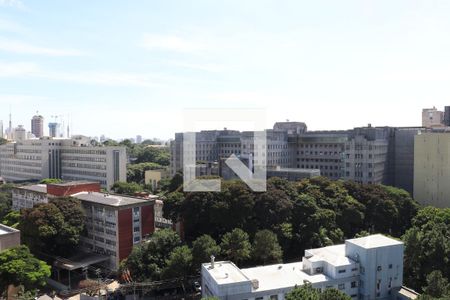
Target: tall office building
x,y
37,126
53,129
1,129
67,159
138,139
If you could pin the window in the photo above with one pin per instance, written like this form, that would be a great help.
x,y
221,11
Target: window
x,y
341,271
341,286
353,284
390,266
379,268
274,297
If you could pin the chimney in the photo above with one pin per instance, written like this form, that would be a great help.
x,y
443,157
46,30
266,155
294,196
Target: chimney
x,y
212,261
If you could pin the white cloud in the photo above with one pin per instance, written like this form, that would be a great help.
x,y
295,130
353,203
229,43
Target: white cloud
x,y
25,48
13,3
171,43
32,70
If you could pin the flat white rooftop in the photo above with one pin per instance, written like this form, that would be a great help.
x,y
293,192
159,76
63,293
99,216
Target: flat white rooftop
x,y
374,241
40,188
334,255
226,272
281,276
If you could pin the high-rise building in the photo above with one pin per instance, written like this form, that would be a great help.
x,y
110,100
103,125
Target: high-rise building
x,y
138,139
432,169
20,134
53,129
1,129
431,117
37,126
67,159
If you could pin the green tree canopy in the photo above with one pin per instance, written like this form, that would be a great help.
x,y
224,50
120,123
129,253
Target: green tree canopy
x,y
19,267
266,248
147,260
307,292
127,188
179,263
50,181
54,227
236,246
202,249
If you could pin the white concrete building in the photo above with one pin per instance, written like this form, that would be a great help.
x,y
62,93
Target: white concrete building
x,y
364,268
67,159
29,196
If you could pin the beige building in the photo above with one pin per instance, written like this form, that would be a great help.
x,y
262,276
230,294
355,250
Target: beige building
x,y
432,169
153,177
431,117
9,237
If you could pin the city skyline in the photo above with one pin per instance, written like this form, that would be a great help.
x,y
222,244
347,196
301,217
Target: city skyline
x,y
340,67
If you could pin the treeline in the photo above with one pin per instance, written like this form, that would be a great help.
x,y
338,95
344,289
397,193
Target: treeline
x,y
310,213
165,256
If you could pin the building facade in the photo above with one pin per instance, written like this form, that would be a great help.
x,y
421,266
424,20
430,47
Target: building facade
x,y
432,169
366,154
365,268
114,224
432,117
9,237
67,159
37,126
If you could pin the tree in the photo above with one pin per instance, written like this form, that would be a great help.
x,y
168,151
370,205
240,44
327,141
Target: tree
x,y
202,249
19,267
147,260
53,227
3,141
12,219
50,181
127,188
437,286
266,248
136,172
179,263
160,156
236,246
307,292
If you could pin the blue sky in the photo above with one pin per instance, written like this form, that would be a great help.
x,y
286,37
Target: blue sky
x,y
123,68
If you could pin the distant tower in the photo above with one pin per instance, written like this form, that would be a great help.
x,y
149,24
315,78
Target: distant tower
x,y
37,125
1,129
138,139
53,129
20,134
10,131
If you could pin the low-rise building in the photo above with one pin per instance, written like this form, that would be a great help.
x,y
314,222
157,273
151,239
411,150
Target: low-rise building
x,y
153,177
364,268
9,237
292,174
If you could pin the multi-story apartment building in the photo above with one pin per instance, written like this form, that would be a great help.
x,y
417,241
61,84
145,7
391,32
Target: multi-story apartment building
x,y
432,169
67,159
29,195
367,154
37,126
115,223
365,268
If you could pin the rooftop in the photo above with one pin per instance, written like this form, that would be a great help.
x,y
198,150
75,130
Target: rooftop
x,y
74,183
40,188
7,230
108,199
334,255
374,241
281,276
225,272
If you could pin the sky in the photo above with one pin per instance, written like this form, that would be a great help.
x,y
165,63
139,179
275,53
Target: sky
x,y
123,68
